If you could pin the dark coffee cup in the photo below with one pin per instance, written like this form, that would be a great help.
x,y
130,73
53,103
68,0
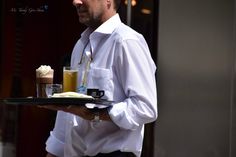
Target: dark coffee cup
x,y
96,93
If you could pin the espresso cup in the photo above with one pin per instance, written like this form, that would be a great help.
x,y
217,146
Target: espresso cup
x,y
96,93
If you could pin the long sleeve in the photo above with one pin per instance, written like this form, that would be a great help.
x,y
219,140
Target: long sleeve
x,y
136,72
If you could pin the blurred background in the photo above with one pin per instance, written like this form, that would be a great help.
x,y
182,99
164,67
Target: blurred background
x,y
191,41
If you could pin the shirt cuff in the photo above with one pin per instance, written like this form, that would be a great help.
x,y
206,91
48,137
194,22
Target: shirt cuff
x,y
121,117
55,146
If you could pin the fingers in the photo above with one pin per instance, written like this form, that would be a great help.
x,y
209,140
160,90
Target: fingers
x,y
53,107
78,110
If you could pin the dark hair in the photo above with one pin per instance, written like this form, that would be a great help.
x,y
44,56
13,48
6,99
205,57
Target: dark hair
x,y
117,4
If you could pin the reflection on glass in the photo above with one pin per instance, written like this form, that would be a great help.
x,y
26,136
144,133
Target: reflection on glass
x,y
8,121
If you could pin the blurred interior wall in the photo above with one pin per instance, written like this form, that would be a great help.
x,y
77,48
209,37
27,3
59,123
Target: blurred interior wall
x,y
196,59
31,31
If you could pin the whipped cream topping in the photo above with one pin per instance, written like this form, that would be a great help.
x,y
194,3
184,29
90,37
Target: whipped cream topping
x,y
44,71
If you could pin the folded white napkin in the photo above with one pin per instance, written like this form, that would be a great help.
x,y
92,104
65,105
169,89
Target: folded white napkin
x,y
71,95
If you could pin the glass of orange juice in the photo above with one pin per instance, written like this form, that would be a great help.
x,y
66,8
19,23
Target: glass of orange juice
x,y
70,76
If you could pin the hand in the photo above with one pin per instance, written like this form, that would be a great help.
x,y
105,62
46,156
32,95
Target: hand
x,y
78,110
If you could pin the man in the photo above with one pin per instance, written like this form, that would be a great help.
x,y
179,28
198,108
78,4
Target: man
x,y
115,59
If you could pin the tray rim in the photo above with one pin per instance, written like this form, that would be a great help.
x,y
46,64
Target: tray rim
x,y
54,101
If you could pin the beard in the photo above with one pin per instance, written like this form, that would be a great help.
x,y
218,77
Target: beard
x,y
90,21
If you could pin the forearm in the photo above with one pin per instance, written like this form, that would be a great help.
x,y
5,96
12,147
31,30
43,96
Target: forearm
x,y
50,155
103,114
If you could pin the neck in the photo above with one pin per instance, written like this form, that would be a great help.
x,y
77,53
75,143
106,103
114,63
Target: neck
x,y
103,19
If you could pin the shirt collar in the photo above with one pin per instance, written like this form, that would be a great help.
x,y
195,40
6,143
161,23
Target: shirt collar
x,y
108,26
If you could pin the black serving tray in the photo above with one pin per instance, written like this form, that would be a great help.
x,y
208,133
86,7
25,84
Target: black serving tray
x,y
55,101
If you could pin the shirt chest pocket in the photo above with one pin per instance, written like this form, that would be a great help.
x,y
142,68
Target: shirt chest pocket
x,y
102,79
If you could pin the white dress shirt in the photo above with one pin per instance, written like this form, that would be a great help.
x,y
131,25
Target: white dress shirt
x,y
122,66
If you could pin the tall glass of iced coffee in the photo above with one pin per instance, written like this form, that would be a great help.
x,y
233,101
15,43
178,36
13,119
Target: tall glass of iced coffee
x,y
44,76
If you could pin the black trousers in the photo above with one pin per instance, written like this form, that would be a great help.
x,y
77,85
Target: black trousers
x,y
114,154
